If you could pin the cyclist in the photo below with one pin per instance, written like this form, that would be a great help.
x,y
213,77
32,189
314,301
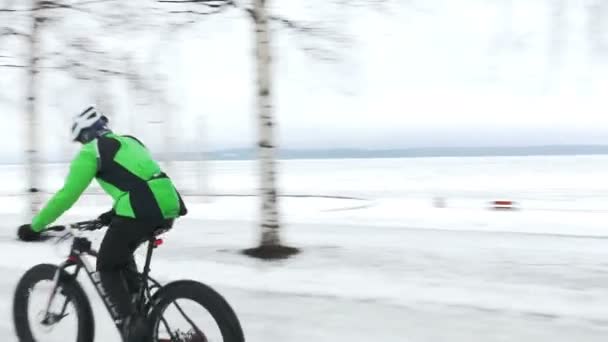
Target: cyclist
x,y
145,200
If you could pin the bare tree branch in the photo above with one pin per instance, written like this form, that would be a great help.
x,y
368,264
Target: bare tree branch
x,y
211,3
50,4
26,66
87,72
291,24
84,3
318,49
54,5
12,66
310,29
214,6
109,72
216,11
7,31
251,13
5,10
85,45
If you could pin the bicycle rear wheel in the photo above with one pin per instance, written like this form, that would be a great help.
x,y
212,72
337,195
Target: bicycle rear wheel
x,y
70,317
188,311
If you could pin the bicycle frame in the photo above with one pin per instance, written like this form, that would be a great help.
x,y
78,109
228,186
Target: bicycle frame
x,y
81,247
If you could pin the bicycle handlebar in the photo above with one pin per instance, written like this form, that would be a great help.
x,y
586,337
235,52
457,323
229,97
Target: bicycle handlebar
x,y
81,226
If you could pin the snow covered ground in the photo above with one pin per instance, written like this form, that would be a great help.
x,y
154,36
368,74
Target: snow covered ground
x,y
387,266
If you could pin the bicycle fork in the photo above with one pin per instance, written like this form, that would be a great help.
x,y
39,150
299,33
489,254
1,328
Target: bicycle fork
x,y
50,318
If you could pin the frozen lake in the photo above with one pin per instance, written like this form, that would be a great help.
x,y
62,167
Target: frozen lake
x,y
388,266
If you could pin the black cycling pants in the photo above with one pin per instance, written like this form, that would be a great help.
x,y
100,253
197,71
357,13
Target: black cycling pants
x,y
115,262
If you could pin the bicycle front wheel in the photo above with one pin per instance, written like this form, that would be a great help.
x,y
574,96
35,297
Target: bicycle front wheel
x,y
188,311
69,316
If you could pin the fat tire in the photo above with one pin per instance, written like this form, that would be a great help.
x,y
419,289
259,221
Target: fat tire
x,y
212,301
86,326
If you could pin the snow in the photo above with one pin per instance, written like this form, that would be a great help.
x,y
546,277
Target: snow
x,y
387,265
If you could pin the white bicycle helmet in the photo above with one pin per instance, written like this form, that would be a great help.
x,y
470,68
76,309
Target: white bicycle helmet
x,y
88,118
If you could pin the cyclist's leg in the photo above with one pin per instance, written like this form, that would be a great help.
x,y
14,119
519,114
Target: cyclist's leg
x,y
147,228
132,276
115,257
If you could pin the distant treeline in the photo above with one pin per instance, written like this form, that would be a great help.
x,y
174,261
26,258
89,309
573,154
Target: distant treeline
x,y
245,154
248,154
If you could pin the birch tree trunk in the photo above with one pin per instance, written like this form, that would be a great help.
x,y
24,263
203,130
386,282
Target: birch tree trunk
x,y
266,147
270,244
32,115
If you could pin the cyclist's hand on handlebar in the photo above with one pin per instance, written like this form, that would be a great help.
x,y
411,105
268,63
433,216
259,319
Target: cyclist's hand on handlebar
x,y
25,233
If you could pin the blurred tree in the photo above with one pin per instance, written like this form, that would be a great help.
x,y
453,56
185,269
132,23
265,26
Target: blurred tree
x,y
271,245
597,28
35,36
89,58
35,13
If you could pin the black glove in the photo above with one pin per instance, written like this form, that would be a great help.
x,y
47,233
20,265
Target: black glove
x,y
25,233
106,218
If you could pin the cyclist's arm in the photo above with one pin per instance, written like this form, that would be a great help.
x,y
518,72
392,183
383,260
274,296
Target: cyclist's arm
x,y
82,171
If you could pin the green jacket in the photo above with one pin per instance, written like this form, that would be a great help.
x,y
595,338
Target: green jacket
x,y
126,171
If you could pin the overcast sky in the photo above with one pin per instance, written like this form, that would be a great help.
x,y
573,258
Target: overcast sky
x,y
435,73
470,72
